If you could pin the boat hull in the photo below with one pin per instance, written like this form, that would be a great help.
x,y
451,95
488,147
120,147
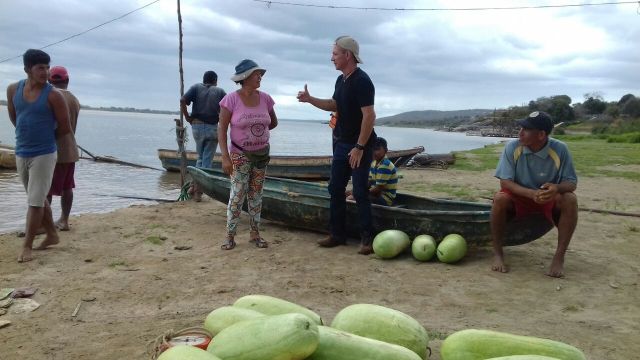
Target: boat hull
x,y
306,205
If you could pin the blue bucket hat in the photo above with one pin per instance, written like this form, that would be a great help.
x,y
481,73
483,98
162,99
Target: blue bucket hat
x,y
245,68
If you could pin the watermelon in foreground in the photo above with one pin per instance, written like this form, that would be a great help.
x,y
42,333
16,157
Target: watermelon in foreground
x,y
287,337
186,352
384,324
340,345
472,344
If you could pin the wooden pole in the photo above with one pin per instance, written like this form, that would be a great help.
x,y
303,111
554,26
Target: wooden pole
x,y
180,122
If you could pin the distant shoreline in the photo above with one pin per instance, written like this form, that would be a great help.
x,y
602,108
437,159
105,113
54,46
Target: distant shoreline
x,y
119,109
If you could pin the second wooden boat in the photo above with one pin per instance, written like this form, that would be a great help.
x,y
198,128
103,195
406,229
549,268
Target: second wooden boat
x,y
292,167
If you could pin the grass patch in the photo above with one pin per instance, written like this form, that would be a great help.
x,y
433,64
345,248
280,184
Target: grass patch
x,y
572,308
631,138
116,263
155,240
457,191
632,228
416,188
593,156
478,159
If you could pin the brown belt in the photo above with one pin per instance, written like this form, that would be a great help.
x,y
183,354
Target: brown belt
x,y
196,121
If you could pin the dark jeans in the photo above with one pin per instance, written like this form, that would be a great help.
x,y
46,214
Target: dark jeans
x,y
340,173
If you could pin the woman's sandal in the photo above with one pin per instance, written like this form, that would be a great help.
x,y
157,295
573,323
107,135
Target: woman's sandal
x,y
228,244
260,242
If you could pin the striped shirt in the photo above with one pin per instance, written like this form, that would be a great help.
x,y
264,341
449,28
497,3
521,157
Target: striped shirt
x,y
384,174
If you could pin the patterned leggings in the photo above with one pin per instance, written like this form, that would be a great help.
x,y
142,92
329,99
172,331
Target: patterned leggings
x,y
246,181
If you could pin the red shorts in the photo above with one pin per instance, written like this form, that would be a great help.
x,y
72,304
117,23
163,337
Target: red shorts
x,y
63,178
525,206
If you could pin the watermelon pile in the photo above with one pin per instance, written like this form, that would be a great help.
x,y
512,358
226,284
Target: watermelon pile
x,y
260,327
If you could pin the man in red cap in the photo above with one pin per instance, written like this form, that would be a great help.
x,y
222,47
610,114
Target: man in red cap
x,y
63,175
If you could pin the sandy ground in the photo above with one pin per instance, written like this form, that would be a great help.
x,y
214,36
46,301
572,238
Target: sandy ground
x,y
142,289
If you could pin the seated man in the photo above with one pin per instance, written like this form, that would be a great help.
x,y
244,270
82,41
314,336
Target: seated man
x,y
383,178
536,177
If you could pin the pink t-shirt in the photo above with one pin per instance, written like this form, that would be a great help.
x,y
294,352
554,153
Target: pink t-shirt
x,y
249,125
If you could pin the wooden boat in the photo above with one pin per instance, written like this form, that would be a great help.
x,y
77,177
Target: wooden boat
x,y
292,167
306,205
7,157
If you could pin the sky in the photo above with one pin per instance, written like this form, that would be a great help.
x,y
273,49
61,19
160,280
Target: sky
x,y
417,60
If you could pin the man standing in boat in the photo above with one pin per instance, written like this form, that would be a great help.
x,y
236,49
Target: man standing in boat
x,y
536,177
39,113
204,116
63,176
353,99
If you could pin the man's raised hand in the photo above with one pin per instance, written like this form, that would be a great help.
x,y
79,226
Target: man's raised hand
x,y
303,96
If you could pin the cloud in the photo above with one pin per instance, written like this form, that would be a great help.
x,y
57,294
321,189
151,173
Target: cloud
x,y
417,59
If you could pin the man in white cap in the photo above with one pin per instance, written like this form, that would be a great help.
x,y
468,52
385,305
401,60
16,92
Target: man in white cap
x,y
353,99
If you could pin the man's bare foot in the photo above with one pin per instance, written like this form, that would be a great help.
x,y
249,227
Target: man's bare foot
x,y
499,265
557,268
40,231
62,225
48,241
25,256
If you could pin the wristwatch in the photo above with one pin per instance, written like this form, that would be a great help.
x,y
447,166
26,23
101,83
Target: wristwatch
x,y
359,147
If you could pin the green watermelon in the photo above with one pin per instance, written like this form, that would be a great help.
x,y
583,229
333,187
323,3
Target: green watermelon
x,y
389,243
452,248
383,324
186,352
424,247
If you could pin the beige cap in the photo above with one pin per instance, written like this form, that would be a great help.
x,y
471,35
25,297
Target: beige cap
x,y
349,43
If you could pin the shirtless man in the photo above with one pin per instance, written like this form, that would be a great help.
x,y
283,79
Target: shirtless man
x,y
39,113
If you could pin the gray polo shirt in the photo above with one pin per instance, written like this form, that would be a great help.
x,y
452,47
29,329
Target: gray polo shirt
x,y
552,164
206,102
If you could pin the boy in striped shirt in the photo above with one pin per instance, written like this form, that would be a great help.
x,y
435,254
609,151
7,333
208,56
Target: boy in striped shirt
x,y
383,178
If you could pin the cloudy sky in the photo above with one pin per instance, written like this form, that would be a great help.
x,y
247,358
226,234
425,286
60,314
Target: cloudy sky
x,y
418,60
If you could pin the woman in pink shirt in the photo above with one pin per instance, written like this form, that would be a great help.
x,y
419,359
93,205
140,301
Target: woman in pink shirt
x,y
249,115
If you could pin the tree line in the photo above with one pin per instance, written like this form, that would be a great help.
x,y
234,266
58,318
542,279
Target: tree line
x,y
594,108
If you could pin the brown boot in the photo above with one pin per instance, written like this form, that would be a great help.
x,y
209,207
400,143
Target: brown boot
x,y
365,250
330,242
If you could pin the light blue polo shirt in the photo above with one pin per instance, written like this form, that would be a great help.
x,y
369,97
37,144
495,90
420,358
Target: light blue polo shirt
x,y
552,164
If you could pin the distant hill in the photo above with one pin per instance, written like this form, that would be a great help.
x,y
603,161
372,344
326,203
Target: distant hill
x,y
433,118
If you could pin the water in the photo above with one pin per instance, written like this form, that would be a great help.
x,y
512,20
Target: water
x,y
135,137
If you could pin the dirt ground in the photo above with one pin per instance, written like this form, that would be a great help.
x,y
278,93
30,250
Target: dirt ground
x,y
143,286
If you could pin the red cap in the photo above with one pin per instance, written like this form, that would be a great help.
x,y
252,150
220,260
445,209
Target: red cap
x,y
58,73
